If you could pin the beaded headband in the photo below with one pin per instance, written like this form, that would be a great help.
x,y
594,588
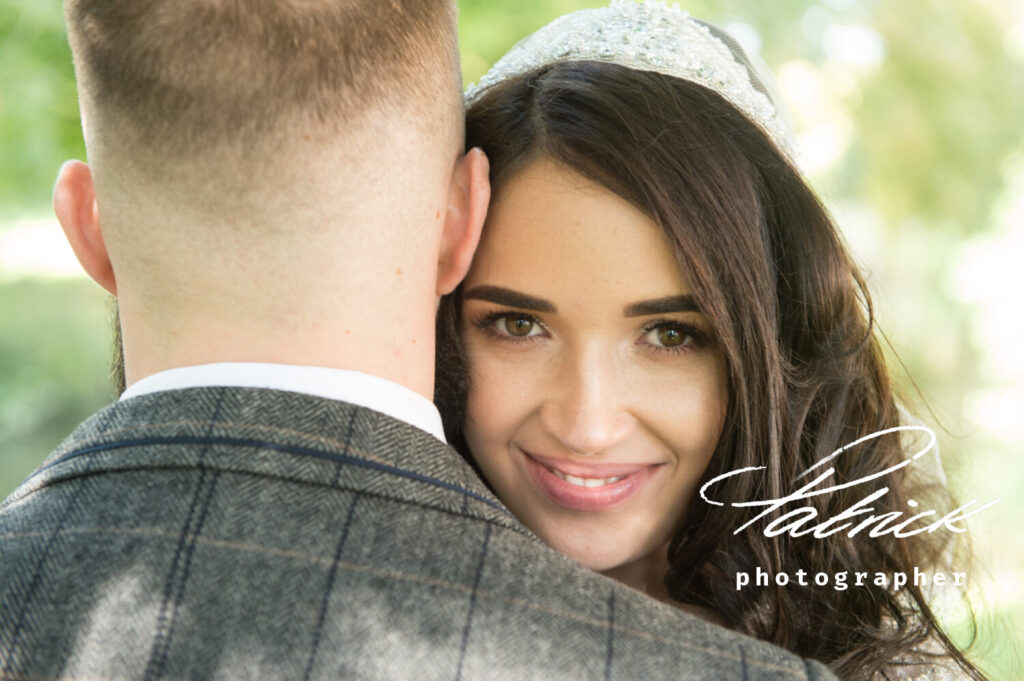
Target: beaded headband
x,y
650,37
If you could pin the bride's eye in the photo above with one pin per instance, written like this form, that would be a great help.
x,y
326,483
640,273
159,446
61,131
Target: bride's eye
x,y
518,326
511,327
674,337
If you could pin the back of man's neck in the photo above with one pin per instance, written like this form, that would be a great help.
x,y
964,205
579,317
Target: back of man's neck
x,y
389,338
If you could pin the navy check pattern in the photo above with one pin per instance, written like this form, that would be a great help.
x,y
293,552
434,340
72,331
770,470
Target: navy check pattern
x,y
241,533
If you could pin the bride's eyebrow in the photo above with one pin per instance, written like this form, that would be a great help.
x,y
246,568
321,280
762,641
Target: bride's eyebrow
x,y
506,296
662,306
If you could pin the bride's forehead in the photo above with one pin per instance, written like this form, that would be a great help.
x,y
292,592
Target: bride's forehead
x,y
551,227
546,194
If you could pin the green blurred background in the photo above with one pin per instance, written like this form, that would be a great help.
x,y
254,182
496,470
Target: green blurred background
x,y
911,123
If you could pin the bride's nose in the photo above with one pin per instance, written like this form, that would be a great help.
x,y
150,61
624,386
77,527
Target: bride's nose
x,y
586,409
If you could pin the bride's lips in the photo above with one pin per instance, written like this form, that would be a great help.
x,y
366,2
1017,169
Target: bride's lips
x,y
604,485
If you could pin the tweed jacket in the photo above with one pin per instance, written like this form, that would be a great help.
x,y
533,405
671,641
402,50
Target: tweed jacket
x,y
233,533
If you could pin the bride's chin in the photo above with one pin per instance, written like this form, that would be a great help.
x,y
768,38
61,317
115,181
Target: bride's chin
x,y
603,564
645,572
603,561
632,564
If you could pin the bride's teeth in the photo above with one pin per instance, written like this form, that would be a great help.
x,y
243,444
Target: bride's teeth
x,y
584,482
574,480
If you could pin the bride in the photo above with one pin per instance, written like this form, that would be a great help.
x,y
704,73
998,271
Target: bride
x,y
660,299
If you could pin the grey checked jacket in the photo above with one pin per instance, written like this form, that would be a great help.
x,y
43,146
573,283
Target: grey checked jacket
x,y
231,533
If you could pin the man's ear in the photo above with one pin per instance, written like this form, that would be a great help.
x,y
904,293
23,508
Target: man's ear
x,y
74,202
468,196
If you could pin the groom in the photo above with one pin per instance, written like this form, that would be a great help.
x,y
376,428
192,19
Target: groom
x,y
277,196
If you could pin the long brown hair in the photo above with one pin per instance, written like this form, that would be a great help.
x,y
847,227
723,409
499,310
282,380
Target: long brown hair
x,y
793,319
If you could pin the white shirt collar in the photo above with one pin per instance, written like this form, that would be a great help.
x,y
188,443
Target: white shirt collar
x,y
354,387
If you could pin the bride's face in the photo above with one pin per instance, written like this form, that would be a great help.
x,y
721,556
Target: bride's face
x,y
597,389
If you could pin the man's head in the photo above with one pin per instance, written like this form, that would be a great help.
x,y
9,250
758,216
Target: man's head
x,y
249,158
189,77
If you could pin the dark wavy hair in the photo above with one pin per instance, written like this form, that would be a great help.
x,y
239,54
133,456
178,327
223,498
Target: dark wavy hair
x,y
793,318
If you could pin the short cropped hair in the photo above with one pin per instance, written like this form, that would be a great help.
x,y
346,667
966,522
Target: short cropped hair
x,y
187,74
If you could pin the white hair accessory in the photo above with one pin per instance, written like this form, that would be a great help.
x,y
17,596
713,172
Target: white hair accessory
x,y
652,36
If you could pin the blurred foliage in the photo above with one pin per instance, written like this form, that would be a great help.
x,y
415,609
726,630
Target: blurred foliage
x,y
54,349
39,122
938,118
934,126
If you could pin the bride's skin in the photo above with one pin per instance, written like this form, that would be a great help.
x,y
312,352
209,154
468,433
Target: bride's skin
x,y
588,357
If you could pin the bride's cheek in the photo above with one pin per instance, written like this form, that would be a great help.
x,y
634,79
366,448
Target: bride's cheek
x,y
502,396
488,397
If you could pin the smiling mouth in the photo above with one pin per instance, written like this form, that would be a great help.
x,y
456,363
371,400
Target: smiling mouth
x,y
583,482
588,486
